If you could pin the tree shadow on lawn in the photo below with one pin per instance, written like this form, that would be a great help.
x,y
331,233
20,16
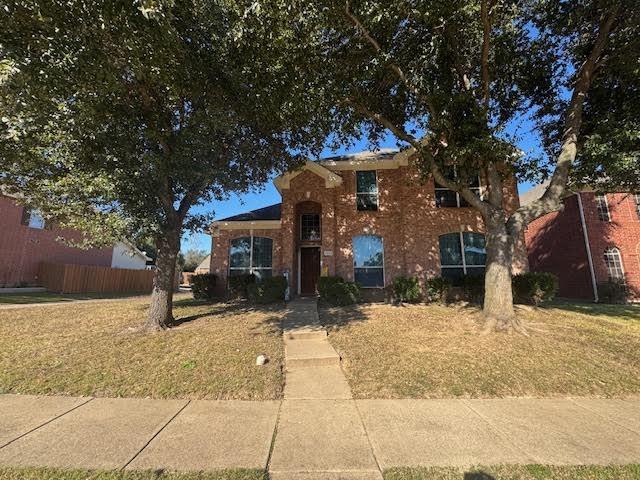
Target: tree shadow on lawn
x,y
623,311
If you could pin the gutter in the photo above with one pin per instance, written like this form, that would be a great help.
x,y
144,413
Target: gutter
x,y
594,283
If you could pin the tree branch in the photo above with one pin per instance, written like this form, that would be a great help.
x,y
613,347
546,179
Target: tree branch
x,y
485,15
551,200
394,66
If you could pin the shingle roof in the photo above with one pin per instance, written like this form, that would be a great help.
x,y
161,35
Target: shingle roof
x,y
382,154
272,212
534,193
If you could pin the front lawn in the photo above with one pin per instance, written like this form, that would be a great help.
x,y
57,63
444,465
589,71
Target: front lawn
x,y
48,297
431,351
98,349
518,472
18,473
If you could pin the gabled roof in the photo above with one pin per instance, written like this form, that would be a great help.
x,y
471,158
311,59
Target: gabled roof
x,y
205,264
272,212
330,179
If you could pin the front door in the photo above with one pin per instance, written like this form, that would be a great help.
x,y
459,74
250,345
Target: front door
x,y
309,270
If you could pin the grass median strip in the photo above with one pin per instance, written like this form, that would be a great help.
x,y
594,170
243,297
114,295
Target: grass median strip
x,y
517,472
432,351
19,473
98,349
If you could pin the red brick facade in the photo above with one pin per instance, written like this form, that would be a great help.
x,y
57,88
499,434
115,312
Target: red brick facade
x,y
556,243
22,248
407,220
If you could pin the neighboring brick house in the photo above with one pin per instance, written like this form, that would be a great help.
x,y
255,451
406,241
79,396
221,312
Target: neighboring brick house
x,y
595,237
366,217
26,241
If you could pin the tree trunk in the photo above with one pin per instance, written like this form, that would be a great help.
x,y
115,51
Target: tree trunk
x,y
498,296
161,309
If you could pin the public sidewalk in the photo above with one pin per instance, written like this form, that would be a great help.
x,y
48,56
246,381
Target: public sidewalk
x,y
318,431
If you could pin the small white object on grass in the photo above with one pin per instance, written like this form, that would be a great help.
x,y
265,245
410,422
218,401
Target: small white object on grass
x,y
261,359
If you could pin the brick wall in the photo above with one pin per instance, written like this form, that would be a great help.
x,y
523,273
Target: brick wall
x,y
407,220
555,243
23,248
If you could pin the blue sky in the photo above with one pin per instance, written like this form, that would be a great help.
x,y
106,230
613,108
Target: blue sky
x,y
268,195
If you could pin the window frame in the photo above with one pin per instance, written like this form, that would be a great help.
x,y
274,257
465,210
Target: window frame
x,y
601,199
636,197
250,268
369,268
358,194
459,199
319,228
614,251
464,265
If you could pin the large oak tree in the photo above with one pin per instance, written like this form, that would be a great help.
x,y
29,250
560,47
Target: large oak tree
x,y
453,81
117,117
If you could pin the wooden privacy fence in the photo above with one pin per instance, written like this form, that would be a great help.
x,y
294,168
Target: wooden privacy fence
x,y
67,278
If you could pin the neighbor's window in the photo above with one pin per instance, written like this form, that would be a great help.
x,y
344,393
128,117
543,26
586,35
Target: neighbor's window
x,y
449,198
603,207
32,218
637,198
251,255
309,226
368,260
613,260
462,253
367,190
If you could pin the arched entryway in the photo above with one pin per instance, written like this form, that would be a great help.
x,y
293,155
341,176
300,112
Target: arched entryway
x,y
308,240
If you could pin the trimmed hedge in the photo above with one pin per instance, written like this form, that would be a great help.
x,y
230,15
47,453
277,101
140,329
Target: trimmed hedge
x,y
336,292
437,289
473,287
269,290
535,287
407,289
238,284
203,286
613,291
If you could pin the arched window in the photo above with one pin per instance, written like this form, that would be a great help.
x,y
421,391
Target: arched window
x,y
251,255
613,261
368,260
462,253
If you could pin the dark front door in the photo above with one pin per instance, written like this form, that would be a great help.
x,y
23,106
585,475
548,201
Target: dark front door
x,y
309,270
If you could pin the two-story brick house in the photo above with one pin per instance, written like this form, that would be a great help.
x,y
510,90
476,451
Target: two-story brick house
x,y
366,217
594,238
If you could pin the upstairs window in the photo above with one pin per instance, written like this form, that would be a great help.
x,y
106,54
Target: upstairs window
x,y
310,226
613,261
449,198
251,255
32,219
637,198
603,207
462,253
367,190
368,260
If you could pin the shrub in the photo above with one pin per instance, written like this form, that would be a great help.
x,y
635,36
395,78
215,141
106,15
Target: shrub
x,y
336,292
535,287
473,287
269,290
613,291
238,284
203,286
437,289
407,289
325,283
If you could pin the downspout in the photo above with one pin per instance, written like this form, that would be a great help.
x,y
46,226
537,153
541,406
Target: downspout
x,y
585,234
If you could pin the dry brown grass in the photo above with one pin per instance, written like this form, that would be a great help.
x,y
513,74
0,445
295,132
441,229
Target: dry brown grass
x,y
430,351
98,349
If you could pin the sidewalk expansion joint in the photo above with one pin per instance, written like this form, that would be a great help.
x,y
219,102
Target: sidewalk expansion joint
x,y
597,414
156,434
366,434
501,434
275,434
46,423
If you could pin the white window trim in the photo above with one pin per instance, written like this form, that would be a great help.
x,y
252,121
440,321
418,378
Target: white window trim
x,y
355,178
383,267
464,265
606,206
636,197
36,220
251,267
614,251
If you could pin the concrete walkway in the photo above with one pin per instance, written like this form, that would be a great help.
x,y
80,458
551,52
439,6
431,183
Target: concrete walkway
x,y
318,431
